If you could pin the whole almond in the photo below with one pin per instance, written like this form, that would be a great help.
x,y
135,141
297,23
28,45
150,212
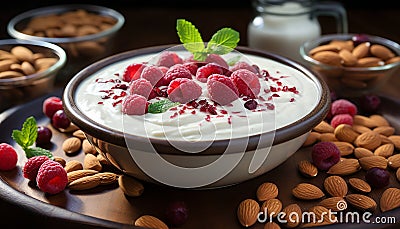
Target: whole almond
x,y
345,133
398,174
360,152
79,134
369,140
320,217
348,58
267,191
385,139
381,52
394,161
395,140
71,145
27,68
364,121
73,165
290,213
102,159
148,221
22,53
393,60
360,129
91,162
87,147
312,138
361,202
107,178
328,47
328,57
344,167
379,120
333,203
348,45
328,137
60,160
307,168
75,175
385,130
335,186
85,183
323,127
369,62
271,225
345,148
10,74
390,199
361,50
360,185
130,186
272,207
247,212
373,161
385,150
306,191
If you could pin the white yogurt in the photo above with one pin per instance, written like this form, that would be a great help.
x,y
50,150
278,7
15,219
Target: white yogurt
x,y
232,121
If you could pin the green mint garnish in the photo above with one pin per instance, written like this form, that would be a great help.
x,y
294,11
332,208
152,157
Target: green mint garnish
x,y
161,106
233,60
26,137
222,42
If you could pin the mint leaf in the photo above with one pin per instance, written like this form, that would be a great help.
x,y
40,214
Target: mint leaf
x,y
19,138
233,60
223,41
189,36
27,135
200,56
161,106
37,151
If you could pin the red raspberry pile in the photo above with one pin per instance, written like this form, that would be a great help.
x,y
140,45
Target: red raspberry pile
x,y
8,157
342,112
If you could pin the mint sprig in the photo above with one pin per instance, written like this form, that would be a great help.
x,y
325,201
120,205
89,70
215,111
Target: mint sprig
x,y
161,106
26,137
222,42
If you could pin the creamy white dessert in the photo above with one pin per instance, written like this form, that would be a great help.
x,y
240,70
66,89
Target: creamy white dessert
x,y
286,96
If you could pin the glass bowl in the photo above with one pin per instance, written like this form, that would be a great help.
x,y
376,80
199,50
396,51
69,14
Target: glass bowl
x,y
352,81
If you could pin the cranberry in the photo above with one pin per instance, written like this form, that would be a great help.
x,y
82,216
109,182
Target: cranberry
x,y
325,155
177,213
377,177
60,120
359,38
250,104
51,105
44,136
369,104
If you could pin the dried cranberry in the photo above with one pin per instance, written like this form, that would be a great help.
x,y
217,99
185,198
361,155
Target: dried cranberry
x,y
359,38
251,104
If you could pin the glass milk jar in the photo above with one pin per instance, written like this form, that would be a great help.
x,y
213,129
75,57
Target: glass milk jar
x,y
281,26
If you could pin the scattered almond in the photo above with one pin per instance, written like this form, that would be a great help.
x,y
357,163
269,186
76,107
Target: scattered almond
x,y
373,161
395,140
102,159
84,183
360,152
130,186
335,186
385,150
312,138
394,161
384,130
344,167
148,221
307,168
87,147
345,148
79,134
73,165
360,129
247,212
71,145
324,127
267,191
385,139
361,202
290,210
321,217
345,133
75,175
91,162
379,120
390,199
360,185
332,203
306,191
369,140
328,137
364,121
60,160
272,207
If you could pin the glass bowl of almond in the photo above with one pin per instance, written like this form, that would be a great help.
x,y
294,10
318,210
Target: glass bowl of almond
x,y
28,69
352,64
84,31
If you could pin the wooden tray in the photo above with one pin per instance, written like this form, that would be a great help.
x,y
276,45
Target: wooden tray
x,y
21,203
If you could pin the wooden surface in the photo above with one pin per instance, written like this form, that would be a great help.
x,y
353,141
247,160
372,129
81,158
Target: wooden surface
x,y
146,26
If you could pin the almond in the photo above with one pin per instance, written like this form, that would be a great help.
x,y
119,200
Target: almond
x,y
360,129
398,174
360,152
385,150
79,134
91,162
360,185
381,52
364,121
87,147
73,165
394,161
369,140
393,60
320,217
373,161
102,159
267,191
335,186
379,120
345,167
328,137
22,53
385,139
292,215
345,148
307,168
272,207
345,133
328,57
306,191
71,145
369,62
348,45
75,175
130,186
84,183
384,130
247,212
107,178
10,74
149,221
390,199
328,47
333,203
312,138
361,202
395,140
60,160
361,50
271,225
324,127
348,58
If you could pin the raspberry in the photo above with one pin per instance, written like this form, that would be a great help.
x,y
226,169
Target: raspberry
x,y
246,82
177,71
134,105
217,59
140,87
377,177
169,59
51,105
152,74
325,155
244,65
31,167
8,157
52,177
132,72
341,119
60,120
221,89
207,70
343,106
192,67
183,90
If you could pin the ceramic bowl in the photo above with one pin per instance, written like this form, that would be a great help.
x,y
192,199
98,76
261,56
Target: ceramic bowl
x,y
23,88
352,81
194,163
84,36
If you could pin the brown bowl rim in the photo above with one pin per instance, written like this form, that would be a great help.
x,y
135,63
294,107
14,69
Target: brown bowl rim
x,y
103,133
